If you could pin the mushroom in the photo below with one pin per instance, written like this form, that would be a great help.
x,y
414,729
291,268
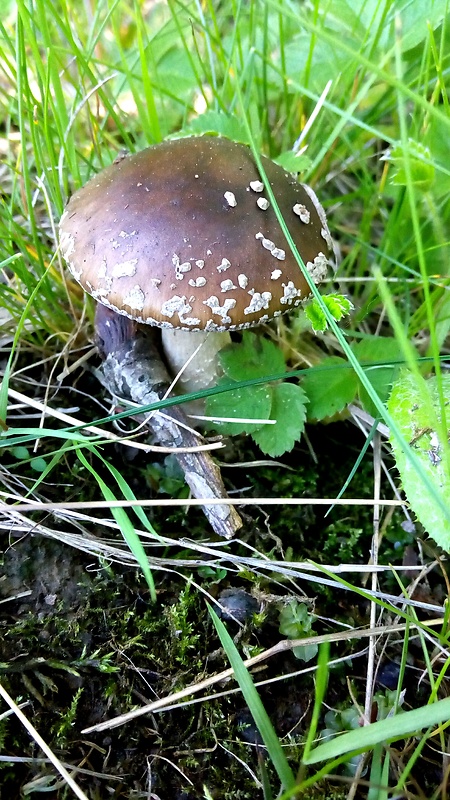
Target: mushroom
x,y
182,236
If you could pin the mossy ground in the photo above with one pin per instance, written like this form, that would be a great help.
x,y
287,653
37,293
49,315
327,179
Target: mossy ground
x,y
86,643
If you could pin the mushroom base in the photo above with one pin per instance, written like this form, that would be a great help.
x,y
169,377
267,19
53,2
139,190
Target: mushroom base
x,y
195,370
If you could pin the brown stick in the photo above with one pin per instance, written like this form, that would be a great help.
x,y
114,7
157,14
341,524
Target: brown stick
x,y
133,370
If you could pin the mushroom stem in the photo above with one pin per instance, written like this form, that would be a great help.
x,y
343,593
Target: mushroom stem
x,y
193,358
132,370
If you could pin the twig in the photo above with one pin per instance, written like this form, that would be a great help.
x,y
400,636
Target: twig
x,y
282,646
132,370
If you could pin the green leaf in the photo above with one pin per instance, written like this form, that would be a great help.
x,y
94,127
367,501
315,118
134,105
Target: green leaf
x,y
337,305
20,453
254,357
248,402
306,652
418,18
329,387
216,122
415,407
419,158
389,729
317,317
38,464
295,620
289,411
296,623
293,162
378,349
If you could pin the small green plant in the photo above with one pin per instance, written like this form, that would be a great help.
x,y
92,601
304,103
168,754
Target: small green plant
x,y
419,161
282,404
180,617
339,721
333,384
336,304
167,478
22,454
349,719
212,574
67,720
296,623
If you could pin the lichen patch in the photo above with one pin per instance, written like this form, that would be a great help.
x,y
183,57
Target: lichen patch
x,y
135,298
231,199
175,305
197,282
66,244
268,244
326,235
227,286
125,269
318,268
214,304
259,301
180,268
302,212
313,197
224,265
290,293
125,235
256,186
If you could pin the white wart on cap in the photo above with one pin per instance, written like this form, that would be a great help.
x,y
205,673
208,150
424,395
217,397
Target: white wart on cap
x,y
182,235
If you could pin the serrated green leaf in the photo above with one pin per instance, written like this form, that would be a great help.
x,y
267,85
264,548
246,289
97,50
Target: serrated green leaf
x,y
417,419
338,305
418,159
382,378
251,402
317,317
330,387
289,411
254,357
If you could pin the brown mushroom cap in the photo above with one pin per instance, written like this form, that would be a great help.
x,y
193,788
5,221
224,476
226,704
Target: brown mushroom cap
x,y
182,235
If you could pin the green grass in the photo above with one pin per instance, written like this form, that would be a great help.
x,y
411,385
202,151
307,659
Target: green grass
x,y
79,82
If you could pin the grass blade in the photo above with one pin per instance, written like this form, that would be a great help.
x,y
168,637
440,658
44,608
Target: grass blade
x,y
255,705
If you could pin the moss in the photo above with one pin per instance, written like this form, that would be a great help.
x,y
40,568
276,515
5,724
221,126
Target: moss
x,y
86,646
